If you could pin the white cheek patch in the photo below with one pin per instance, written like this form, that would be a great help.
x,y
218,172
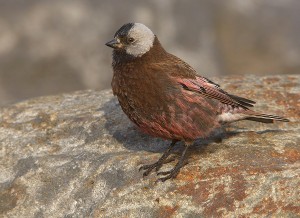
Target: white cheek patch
x,y
144,40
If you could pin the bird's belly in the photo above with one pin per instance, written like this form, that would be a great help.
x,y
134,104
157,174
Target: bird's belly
x,y
182,117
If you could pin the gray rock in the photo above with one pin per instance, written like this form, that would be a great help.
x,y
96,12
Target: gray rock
x,y
77,155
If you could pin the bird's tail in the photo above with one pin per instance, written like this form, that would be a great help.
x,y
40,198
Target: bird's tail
x,y
265,118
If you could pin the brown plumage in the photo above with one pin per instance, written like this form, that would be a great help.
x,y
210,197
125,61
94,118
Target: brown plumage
x,y
166,98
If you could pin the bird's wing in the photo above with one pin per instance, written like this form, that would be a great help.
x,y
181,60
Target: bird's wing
x,y
182,73
212,90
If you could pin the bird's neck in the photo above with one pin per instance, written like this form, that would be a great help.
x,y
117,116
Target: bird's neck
x,y
157,52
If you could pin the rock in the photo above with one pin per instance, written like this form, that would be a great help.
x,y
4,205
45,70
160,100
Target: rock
x,y
77,155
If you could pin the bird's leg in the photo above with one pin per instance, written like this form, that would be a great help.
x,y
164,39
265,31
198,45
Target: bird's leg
x,y
173,172
157,165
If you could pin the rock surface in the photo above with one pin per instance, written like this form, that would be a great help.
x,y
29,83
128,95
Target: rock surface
x,y
77,155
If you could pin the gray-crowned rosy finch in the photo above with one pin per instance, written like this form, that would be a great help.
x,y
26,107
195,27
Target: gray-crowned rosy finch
x,y
166,98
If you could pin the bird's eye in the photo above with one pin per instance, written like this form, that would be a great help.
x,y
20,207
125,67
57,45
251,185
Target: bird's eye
x,y
130,40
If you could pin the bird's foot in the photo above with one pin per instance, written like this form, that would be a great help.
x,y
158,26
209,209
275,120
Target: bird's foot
x,y
148,168
171,174
157,165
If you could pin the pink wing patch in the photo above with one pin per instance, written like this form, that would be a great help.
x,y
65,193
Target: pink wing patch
x,y
209,89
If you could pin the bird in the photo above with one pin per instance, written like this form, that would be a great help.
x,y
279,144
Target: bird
x,y
166,98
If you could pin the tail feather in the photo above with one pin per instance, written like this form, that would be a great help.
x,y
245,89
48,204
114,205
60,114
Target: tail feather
x,y
266,118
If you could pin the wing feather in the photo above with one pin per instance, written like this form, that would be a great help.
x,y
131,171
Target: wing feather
x,y
211,90
187,77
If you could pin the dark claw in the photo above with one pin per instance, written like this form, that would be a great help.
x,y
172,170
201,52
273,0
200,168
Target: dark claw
x,y
171,175
163,179
164,172
144,167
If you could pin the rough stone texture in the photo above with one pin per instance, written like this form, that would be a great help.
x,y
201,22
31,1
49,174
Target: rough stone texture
x,y
77,155
53,46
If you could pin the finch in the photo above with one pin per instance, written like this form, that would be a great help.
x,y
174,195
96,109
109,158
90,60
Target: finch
x,y
166,98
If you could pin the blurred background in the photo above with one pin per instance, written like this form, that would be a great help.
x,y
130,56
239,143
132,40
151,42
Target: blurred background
x,y
54,46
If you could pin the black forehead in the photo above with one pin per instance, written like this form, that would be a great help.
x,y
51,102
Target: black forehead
x,y
123,31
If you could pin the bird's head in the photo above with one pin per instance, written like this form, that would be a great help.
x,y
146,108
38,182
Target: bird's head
x,y
135,38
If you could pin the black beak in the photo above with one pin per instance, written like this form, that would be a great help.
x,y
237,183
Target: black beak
x,y
113,44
